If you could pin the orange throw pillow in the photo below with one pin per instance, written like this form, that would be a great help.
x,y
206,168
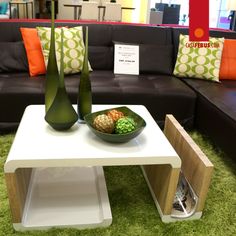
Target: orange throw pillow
x,y
34,51
228,60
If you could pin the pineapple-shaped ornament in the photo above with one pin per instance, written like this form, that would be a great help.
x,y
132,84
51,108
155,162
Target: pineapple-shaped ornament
x,y
104,124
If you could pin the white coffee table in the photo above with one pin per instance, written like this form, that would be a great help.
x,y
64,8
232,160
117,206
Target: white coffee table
x,y
55,179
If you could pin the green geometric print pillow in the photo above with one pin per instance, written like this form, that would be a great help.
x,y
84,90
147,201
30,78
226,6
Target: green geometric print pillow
x,y
199,59
73,47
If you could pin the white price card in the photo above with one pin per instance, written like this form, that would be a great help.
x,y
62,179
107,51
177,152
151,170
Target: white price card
x,y
126,59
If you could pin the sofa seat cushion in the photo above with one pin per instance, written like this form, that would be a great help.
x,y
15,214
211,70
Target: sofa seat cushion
x,y
17,91
160,94
216,112
222,95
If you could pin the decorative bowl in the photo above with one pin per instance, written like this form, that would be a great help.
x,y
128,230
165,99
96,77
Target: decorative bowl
x,y
117,138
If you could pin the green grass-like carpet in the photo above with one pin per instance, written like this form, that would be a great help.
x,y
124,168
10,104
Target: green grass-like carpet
x,y
133,209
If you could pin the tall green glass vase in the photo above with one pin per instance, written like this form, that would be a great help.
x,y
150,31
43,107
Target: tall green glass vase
x,y
84,94
61,114
52,74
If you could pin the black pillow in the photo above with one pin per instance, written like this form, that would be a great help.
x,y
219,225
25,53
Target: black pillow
x,y
13,57
101,57
156,58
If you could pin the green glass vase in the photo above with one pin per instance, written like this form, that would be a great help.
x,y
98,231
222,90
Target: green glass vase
x,y
52,74
84,94
61,114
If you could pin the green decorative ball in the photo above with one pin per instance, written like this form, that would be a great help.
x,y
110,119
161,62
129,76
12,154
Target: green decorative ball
x,y
124,125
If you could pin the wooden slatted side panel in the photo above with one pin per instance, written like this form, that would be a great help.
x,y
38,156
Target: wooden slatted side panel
x,y
17,188
195,165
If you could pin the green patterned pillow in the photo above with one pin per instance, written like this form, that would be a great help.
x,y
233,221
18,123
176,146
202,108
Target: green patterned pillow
x,y
73,46
199,59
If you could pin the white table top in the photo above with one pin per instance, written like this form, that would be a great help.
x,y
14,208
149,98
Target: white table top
x,y
36,144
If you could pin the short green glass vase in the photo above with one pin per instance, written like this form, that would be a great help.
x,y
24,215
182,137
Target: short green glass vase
x,y
84,102
61,114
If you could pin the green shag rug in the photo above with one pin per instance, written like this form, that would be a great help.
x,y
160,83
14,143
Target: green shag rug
x,y
134,212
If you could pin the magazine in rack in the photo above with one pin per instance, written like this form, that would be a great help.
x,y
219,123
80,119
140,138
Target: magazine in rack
x,y
185,201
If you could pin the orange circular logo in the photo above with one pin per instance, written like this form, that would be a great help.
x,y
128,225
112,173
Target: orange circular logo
x,y
198,32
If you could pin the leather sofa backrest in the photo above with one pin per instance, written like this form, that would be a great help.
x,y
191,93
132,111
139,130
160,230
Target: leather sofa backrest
x,y
156,49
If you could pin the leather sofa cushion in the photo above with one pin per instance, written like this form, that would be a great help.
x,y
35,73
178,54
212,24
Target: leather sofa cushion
x,y
221,95
18,90
156,59
216,112
13,57
167,94
141,35
162,93
101,57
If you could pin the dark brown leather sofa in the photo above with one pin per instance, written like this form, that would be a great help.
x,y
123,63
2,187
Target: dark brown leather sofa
x,y
155,87
215,113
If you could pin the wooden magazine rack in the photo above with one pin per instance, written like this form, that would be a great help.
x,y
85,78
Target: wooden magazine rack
x,y
196,167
